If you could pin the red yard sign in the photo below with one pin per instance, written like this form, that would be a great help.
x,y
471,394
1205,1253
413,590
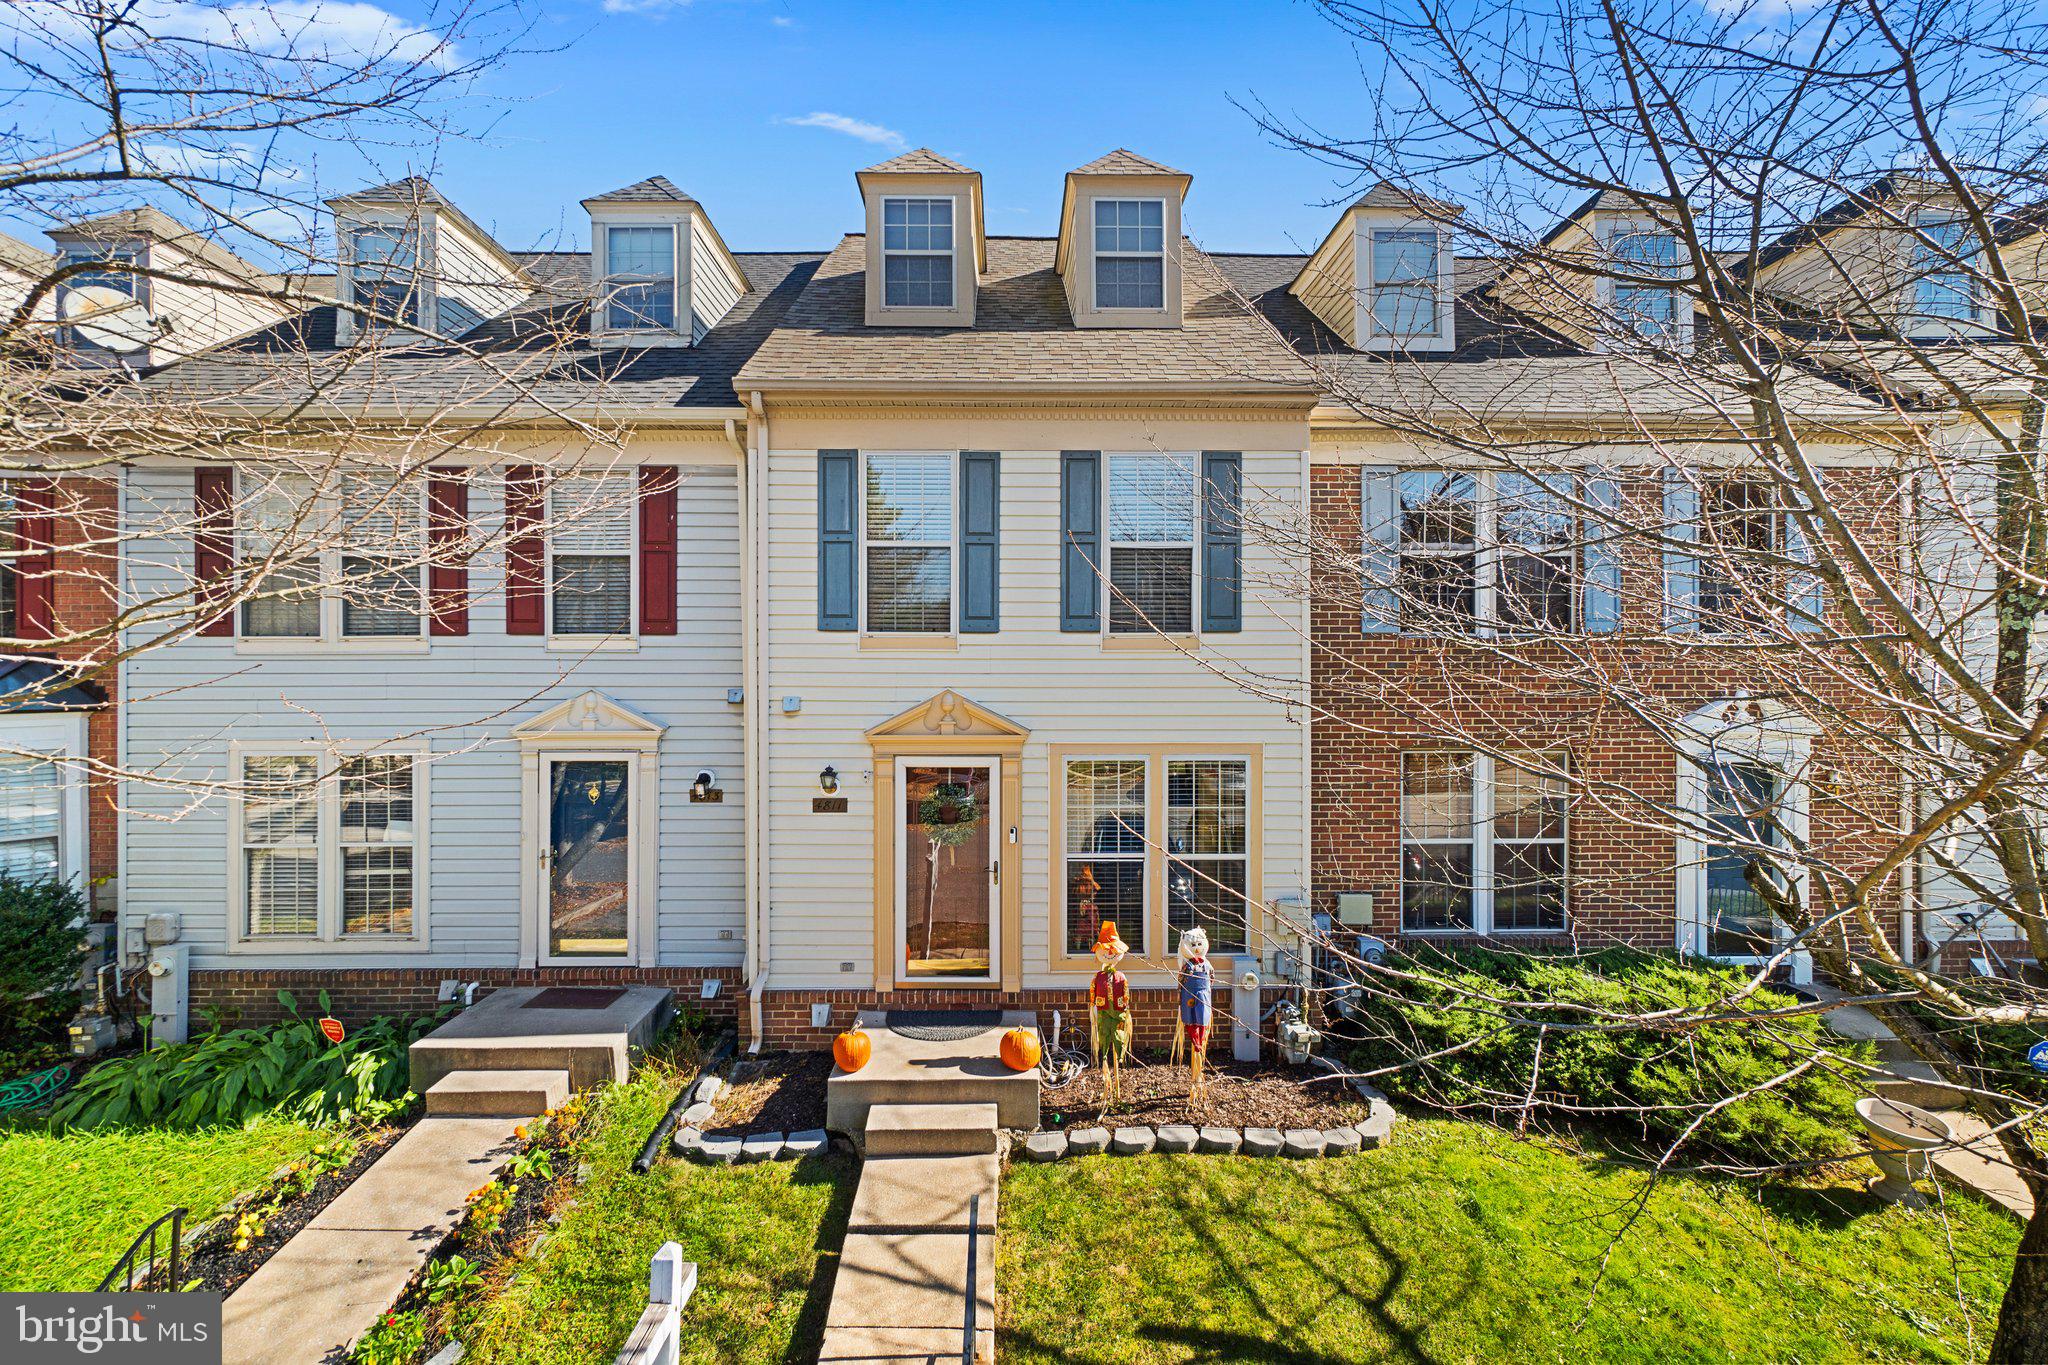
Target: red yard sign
x,y
333,1029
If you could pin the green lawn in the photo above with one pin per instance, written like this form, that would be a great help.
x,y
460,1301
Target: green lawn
x,y
1457,1243
764,1238
74,1203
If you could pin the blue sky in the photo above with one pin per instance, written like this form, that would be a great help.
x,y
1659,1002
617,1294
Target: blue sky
x,y
715,95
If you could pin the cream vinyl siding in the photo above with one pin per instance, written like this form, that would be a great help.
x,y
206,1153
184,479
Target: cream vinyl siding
x,y
470,273
1328,286
1066,689
1553,293
203,316
714,288
457,697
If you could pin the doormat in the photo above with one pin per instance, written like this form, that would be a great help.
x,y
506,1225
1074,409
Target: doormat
x,y
942,1026
576,998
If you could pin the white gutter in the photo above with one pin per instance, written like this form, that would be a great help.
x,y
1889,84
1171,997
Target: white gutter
x,y
753,591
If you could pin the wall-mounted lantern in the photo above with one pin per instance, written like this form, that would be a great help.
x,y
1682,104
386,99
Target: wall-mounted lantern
x,y
828,780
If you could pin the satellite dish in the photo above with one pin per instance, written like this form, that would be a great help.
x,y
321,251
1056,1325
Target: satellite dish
x,y
107,317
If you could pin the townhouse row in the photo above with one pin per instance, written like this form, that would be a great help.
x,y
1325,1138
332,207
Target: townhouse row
x,y
864,627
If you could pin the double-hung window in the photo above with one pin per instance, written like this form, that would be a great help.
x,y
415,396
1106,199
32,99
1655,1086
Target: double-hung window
x,y
907,521
1644,306
384,271
1944,290
1130,253
1482,842
345,565
640,278
917,253
1207,845
590,554
329,847
1741,821
1406,283
1741,540
1438,579
1537,572
1106,856
31,817
1151,544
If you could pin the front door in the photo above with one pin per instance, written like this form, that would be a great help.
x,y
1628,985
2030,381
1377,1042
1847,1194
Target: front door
x,y
590,858
947,865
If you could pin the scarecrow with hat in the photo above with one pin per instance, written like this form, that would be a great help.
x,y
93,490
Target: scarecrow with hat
x,y
1197,1005
1109,1010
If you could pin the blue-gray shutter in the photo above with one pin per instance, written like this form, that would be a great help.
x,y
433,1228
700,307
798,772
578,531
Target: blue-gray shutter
x,y
838,539
1222,541
1806,597
1080,539
1379,503
981,486
1681,552
1600,594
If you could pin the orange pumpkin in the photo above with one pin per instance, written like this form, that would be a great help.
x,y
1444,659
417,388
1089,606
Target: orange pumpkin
x,y
852,1049
1020,1049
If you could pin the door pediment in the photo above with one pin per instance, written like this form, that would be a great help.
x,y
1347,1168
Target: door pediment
x,y
589,717
947,718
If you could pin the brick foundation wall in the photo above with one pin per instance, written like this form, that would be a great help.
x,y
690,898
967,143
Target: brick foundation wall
x,y
786,1015
249,997
1378,695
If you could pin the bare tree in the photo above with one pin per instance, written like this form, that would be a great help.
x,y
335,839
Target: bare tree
x,y
1721,521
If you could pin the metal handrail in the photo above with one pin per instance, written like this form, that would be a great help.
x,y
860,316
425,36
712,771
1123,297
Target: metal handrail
x,y
124,1269
973,1233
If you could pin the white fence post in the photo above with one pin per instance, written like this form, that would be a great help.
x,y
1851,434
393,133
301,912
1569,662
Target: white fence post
x,y
671,1281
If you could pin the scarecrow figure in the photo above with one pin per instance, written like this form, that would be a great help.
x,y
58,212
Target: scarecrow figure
x,y
1197,1006
1109,1008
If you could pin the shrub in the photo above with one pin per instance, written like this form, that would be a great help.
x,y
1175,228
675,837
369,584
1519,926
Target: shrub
x,y
236,1075
40,945
394,1339
1654,1081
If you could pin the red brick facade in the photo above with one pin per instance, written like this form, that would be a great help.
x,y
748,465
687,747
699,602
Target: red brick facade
x,y
1380,694
241,997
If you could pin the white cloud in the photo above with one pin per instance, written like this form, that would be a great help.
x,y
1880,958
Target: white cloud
x,y
782,21
316,30
852,127
644,6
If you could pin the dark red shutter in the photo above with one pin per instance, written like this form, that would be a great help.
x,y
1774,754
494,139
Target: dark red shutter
x,y
526,552
658,484
35,559
448,571
213,545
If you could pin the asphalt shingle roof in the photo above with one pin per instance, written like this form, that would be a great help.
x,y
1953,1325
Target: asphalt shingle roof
x,y
655,189
413,189
1023,333
922,160
537,354
1123,161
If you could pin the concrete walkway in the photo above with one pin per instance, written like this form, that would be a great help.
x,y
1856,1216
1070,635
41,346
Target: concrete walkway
x,y
325,1286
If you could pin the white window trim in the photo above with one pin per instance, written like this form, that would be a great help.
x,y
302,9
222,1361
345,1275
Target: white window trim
x,y
1481,837
326,512
1148,846
600,246
1927,324
1488,551
951,543
62,736
1095,257
423,225
1604,286
952,255
1191,461
1366,324
628,639
329,939
1738,729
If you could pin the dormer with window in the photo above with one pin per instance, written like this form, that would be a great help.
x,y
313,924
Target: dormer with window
x,y
1940,297
1611,276
660,273
1385,277
409,262
1119,252
926,247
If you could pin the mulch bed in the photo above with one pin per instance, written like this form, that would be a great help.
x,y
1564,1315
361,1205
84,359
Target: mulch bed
x,y
1238,1095
783,1092
216,1265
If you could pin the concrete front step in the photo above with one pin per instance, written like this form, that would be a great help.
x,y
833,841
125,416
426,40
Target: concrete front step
x,y
926,1194
516,1028
905,1345
496,1094
906,1070
931,1129
912,1280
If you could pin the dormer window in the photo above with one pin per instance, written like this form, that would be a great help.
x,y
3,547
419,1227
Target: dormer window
x,y
1130,253
116,268
1642,307
917,253
384,273
640,278
1944,290
1407,270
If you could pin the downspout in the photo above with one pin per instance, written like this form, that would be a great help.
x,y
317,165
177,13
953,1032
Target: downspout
x,y
753,610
